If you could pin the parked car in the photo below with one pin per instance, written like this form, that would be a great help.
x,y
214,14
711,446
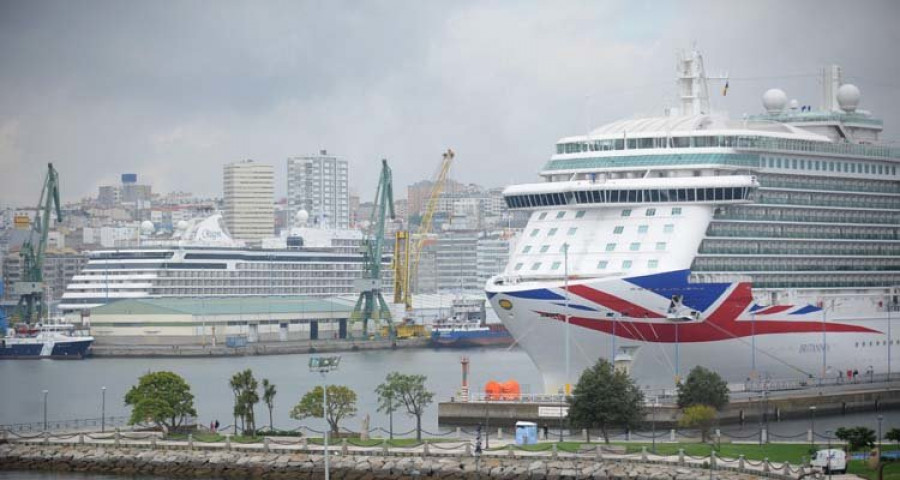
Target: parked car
x,y
831,461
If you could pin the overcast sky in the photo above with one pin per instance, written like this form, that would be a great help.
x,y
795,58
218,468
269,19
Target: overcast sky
x,y
174,90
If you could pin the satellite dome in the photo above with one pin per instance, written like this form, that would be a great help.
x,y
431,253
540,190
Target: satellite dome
x,y
774,100
181,225
848,97
793,104
147,226
302,216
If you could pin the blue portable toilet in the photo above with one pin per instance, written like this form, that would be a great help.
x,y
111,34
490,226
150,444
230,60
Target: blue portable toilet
x,y
526,433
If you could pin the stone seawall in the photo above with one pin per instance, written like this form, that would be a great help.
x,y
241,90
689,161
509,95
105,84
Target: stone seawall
x,y
266,466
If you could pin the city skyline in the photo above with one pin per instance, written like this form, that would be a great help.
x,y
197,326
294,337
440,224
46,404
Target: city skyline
x,y
174,97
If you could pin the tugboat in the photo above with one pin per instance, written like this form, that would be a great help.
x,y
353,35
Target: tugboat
x,y
467,328
50,339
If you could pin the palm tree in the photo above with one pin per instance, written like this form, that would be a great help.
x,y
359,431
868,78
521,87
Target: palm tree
x,y
269,397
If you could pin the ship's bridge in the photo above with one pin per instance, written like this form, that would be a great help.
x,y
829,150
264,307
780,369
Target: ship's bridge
x,y
704,190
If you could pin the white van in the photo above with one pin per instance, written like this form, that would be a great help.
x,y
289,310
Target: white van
x,y
831,461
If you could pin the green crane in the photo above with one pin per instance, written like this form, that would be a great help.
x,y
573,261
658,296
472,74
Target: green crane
x,y
371,305
31,288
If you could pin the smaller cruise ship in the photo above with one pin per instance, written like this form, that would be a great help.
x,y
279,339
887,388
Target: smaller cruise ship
x,y
202,260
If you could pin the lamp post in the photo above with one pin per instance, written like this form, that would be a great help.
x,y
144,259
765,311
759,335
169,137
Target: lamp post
x,y
653,421
323,365
45,409
830,454
566,288
880,418
103,409
812,426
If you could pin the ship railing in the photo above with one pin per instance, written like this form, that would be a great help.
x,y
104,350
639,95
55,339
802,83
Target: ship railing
x,y
833,378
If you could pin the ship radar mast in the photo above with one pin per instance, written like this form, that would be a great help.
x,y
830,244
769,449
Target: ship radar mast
x,y
693,83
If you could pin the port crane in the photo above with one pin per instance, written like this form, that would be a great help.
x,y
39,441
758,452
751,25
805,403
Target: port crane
x,y
371,305
31,288
403,269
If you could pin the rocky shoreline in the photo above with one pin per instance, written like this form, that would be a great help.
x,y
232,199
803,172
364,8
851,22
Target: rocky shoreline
x,y
277,466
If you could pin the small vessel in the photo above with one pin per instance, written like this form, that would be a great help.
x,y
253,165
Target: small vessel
x,y
467,327
45,340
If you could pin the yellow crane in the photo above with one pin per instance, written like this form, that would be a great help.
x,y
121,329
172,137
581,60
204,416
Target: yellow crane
x,y
403,268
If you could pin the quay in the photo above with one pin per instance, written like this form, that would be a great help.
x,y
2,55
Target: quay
x,y
256,348
781,401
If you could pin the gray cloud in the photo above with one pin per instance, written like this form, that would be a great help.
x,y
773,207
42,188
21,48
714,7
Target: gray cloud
x,y
173,90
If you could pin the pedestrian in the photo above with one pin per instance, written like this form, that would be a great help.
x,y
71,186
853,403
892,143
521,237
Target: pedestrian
x,y
546,432
217,425
212,426
840,376
855,374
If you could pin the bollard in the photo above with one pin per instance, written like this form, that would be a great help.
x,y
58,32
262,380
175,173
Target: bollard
x,y
81,439
764,436
644,453
344,449
468,449
766,465
190,441
153,442
384,446
809,436
46,438
499,433
719,436
584,434
712,459
672,435
304,443
118,437
510,452
458,433
266,446
554,452
741,462
425,451
681,456
599,453
227,442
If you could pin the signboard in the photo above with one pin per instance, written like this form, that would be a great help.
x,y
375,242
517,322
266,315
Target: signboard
x,y
553,412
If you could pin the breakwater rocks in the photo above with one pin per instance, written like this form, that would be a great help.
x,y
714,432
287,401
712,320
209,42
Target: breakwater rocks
x,y
272,466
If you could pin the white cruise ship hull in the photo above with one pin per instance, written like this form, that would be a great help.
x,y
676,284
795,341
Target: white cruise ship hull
x,y
634,322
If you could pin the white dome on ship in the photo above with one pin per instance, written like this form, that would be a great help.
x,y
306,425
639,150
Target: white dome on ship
x,y
848,97
147,227
774,100
181,225
302,216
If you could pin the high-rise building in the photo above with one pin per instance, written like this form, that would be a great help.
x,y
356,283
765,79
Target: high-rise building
x,y
319,184
456,261
492,255
249,200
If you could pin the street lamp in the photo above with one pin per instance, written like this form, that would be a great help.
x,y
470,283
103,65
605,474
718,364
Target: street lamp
x,y
45,409
880,418
103,410
812,426
566,288
653,421
323,365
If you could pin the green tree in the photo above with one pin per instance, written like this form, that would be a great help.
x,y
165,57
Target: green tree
x,y
163,398
406,390
703,387
269,399
893,435
341,404
244,386
605,397
701,417
856,437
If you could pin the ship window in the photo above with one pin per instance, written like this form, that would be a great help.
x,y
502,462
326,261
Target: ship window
x,y
542,216
618,230
579,214
572,231
778,163
560,215
535,232
518,266
626,264
676,210
643,228
555,266
635,246
652,263
626,212
602,265
650,212
802,164
526,249
660,246
552,232
610,247
545,248
536,265
794,163
669,228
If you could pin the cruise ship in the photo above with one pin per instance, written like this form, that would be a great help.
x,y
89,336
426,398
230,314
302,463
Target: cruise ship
x,y
202,260
766,247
